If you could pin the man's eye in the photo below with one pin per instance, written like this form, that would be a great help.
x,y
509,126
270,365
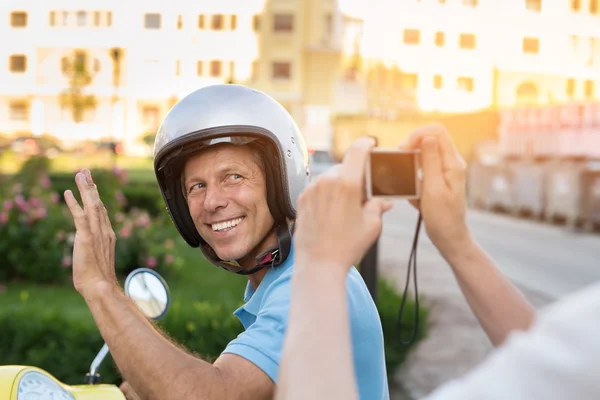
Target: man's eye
x,y
196,186
236,176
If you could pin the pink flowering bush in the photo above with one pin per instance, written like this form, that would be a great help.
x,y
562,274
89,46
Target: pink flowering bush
x,y
32,246
37,231
144,242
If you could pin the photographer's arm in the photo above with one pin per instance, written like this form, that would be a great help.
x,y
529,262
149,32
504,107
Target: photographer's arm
x,y
496,302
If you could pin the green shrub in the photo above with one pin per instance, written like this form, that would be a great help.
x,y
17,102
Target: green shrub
x,y
388,304
33,216
65,347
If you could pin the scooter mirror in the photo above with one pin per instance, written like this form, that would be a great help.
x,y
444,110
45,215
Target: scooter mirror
x,y
149,291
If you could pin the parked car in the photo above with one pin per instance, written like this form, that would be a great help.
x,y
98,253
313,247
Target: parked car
x,y
320,161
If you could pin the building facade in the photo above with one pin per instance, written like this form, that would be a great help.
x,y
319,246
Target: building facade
x,y
468,55
110,69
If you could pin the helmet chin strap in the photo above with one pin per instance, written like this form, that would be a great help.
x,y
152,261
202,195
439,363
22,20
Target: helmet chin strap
x,y
274,256
269,258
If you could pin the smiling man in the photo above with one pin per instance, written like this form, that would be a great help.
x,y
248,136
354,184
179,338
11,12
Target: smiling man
x,y
231,164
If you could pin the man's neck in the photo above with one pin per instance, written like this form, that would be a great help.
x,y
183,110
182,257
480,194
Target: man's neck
x,y
250,260
257,277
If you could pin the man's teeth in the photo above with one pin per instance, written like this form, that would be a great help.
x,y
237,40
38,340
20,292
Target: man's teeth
x,y
227,224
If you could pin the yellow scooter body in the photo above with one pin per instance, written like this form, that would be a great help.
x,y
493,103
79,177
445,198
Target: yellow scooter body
x,y
10,376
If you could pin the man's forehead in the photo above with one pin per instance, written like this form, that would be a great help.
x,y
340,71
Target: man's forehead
x,y
220,157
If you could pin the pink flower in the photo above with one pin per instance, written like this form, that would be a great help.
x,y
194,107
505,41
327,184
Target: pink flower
x,y
3,218
169,259
120,217
54,197
8,205
169,244
35,202
125,231
66,261
120,197
143,221
45,181
40,213
21,203
151,262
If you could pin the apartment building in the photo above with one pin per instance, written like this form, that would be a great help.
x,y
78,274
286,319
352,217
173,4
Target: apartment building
x,y
122,65
466,55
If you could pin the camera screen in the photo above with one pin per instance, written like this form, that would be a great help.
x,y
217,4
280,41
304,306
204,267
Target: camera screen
x,y
393,174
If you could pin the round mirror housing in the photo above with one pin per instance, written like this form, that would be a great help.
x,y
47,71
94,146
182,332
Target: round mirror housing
x,y
149,291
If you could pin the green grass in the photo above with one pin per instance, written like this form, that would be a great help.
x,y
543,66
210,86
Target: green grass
x,y
197,280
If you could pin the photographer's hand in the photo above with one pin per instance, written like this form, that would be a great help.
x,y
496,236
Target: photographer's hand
x,y
443,197
495,301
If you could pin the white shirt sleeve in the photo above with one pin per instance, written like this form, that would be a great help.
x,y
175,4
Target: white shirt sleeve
x,y
558,358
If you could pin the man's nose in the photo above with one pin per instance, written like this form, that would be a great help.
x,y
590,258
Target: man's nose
x,y
214,199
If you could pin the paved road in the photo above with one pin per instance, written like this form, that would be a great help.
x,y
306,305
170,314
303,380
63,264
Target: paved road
x,y
546,262
548,259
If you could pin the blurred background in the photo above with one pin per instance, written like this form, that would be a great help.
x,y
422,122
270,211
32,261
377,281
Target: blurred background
x,y
87,83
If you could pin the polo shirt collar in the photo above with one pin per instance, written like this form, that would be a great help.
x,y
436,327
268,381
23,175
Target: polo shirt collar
x,y
253,297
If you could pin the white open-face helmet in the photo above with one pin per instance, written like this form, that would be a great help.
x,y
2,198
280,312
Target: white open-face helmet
x,y
239,115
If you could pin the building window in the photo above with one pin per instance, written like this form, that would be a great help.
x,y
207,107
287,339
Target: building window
x,y
412,36
18,63
440,39
575,5
589,89
233,22
282,70
533,5
329,24
150,119
594,7
199,68
470,3
200,21
18,112
52,18
179,22
65,18
527,94
570,87
231,71
18,19
216,22
152,21
531,45
465,84
109,18
96,18
215,69
256,22
178,67
283,23
438,81
81,17
96,65
409,81
467,41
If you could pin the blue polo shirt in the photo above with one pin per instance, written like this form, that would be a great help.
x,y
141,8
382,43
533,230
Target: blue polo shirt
x,y
264,316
